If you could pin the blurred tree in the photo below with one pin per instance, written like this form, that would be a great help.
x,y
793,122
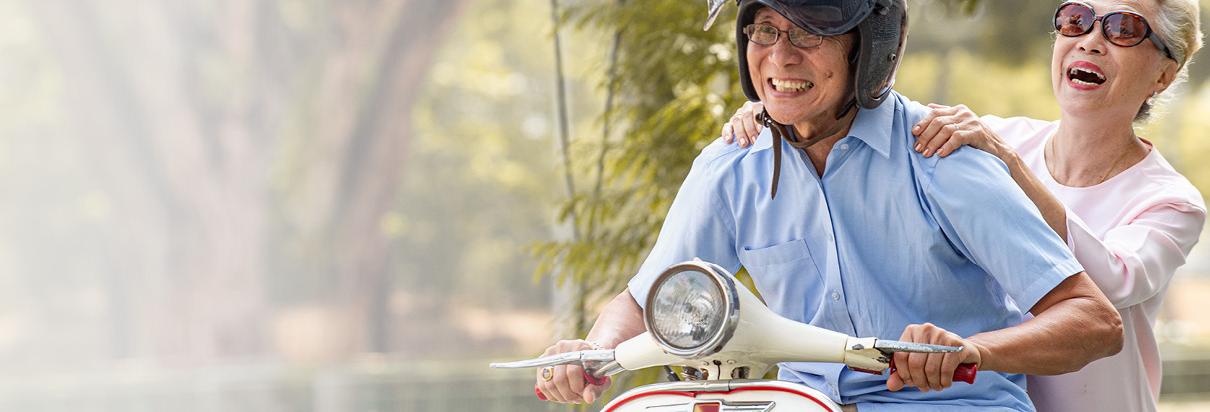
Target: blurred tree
x,y
223,129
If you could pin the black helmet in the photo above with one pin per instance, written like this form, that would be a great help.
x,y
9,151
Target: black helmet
x,y
882,30
881,26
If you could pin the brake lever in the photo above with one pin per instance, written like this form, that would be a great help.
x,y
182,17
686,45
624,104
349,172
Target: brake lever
x,y
582,358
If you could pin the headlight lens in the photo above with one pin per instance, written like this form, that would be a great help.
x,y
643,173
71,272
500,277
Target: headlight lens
x,y
689,311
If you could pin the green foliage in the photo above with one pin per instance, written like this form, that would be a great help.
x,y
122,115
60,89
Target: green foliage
x,y
673,81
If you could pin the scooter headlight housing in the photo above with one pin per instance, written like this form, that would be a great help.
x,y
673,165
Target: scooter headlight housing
x,y
692,309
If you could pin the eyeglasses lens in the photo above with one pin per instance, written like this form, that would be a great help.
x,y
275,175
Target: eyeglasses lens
x,y
762,34
1074,20
1124,29
803,39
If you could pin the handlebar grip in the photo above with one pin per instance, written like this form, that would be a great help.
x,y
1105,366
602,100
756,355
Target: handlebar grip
x,y
592,380
595,380
965,373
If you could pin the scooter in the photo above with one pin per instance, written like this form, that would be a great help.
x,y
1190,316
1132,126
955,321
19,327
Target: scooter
x,y
694,320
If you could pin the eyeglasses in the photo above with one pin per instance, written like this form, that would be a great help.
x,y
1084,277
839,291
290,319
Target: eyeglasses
x,y
1122,28
766,35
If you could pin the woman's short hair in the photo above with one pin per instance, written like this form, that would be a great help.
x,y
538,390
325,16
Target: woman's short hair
x,y
1178,24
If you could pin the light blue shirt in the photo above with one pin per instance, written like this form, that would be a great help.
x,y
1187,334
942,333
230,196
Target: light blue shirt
x,y
886,238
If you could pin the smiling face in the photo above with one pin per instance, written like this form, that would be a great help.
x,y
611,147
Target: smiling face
x,y
1092,76
801,87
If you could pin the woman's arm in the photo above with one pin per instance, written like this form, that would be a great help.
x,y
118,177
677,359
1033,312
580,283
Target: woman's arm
x,y
1134,262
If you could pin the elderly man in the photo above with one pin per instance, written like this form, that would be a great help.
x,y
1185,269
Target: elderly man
x,y
856,232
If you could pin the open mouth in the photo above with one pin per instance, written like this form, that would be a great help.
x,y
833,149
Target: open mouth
x,y
1085,76
791,86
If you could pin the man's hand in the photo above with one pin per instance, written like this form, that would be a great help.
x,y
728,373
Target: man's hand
x,y
567,383
930,371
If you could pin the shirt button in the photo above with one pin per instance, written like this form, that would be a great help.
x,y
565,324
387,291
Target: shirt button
x,y
836,296
844,146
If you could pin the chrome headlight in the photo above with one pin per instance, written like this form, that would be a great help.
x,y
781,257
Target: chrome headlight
x,y
692,309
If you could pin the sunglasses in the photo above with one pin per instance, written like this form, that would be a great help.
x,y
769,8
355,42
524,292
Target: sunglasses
x,y
1122,28
766,35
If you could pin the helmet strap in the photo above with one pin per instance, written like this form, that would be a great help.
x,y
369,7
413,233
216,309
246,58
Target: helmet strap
x,y
846,108
788,133
854,53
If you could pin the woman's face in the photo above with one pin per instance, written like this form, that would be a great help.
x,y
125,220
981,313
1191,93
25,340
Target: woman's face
x,y
1090,75
800,85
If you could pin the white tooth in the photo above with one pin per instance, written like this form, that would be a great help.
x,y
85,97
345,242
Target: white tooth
x,y
786,85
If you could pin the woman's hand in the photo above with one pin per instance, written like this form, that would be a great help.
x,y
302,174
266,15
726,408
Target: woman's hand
x,y
742,127
566,383
946,128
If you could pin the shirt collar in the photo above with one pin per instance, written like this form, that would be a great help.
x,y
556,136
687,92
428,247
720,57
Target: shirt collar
x,y
871,126
874,126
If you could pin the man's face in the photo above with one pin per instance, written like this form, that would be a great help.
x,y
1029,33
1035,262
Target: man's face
x,y
800,85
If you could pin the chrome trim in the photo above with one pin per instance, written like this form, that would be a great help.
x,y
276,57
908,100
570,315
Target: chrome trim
x,y
689,386
725,282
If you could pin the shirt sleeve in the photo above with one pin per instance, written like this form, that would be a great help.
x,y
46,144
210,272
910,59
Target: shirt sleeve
x,y
989,219
1133,262
697,226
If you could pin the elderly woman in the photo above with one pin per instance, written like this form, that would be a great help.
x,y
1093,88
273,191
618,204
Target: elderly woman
x,y
1128,216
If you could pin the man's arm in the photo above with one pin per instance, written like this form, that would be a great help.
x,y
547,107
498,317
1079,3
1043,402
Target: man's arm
x,y
620,320
1073,325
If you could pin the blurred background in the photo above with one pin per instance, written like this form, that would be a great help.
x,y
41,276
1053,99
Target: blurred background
x,y
312,205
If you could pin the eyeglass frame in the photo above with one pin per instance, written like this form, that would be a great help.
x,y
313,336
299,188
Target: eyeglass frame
x,y
1155,39
751,28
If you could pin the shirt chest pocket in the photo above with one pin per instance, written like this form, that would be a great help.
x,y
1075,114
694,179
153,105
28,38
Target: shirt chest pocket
x,y
787,277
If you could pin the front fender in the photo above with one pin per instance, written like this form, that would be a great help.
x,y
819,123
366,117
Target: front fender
x,y
722,396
